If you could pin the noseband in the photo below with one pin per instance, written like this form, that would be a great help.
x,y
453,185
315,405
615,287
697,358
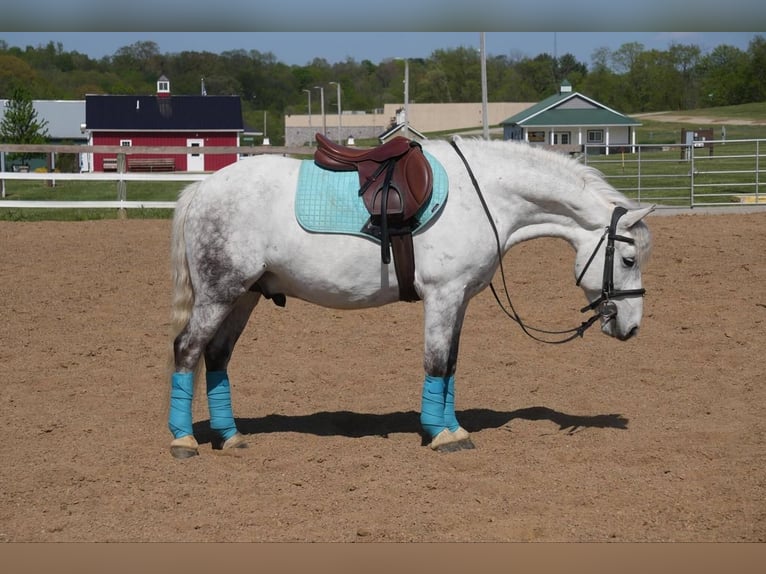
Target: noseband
x,y
604,305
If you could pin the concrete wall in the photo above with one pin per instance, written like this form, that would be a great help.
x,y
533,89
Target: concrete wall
x,y
423,117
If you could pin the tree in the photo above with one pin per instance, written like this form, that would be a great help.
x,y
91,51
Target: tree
x,y
724,76
14,72
21,125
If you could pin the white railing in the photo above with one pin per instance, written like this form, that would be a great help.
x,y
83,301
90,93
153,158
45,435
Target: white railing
x,y
121,178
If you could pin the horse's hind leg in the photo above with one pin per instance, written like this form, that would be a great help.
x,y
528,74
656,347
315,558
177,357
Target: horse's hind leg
x,y
217,355
202,327
188,347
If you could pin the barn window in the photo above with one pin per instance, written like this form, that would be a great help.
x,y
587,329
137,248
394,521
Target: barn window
x,y
536,137
126,143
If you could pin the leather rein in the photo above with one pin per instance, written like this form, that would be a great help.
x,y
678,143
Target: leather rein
x,y
604,306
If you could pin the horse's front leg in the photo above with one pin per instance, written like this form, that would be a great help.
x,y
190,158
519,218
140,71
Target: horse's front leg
x,y
444,314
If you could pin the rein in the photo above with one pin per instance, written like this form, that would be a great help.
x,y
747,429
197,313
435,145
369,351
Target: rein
x,y
605,307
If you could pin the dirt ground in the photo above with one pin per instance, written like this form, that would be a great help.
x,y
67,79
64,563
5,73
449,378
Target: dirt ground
x,y
661,438
696,119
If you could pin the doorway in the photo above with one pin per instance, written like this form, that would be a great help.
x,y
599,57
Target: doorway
x,y
195,161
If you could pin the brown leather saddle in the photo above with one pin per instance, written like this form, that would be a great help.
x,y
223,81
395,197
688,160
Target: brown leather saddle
x,y
395,181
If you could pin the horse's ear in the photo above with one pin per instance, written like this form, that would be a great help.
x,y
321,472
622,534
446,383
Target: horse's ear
x,y
634,216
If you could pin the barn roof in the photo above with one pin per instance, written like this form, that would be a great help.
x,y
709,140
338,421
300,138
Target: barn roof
x,y
163,113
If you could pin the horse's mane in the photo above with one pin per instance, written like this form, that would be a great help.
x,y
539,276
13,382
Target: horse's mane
x,y
588,180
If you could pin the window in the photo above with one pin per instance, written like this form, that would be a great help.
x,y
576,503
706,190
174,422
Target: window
x,y
536,137
595,136
126,143
561,138
163,86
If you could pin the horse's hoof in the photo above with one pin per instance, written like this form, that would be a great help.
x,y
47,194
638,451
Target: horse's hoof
x,y
441,440
448,447
463,438
448,441
235,441
184,447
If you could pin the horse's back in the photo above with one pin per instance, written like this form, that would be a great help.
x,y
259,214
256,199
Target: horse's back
x,y
244,195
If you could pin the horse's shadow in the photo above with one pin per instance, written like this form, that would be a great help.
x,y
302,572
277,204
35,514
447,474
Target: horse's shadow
x,y
356,425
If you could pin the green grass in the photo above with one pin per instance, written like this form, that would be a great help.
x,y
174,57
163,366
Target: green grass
x,y
87,191
657,132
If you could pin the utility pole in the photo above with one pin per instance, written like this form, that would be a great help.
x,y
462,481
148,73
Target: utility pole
x,y
484,118
321,105
340,138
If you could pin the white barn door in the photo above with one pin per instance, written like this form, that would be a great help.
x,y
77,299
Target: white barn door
x,y
195,161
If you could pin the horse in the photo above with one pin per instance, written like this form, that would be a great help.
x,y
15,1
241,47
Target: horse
x,y
236,240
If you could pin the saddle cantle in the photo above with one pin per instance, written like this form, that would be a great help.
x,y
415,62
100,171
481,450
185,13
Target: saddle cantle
x,y
395,181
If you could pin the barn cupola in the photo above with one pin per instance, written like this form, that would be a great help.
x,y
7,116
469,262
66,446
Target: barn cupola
x,y
565,88
163,86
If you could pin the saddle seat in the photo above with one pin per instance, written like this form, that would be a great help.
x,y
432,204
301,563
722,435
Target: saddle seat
x,y
341,158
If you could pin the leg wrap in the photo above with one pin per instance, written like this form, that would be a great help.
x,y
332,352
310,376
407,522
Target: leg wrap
x,y
219,403
450,421
432,405
180,416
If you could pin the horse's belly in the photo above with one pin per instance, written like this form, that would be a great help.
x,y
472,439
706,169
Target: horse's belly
x,y
332,271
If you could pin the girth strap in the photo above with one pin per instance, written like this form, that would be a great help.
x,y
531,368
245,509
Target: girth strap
x,y
404,263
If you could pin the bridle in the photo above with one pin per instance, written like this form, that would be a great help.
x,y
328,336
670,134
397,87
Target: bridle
x,y
604,305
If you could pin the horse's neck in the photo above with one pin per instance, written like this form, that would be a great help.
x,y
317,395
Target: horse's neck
x,y
549,204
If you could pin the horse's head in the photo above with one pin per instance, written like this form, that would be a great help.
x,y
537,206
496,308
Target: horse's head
x,y
608,268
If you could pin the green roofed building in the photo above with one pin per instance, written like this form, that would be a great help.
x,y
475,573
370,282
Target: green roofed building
x,y
570,120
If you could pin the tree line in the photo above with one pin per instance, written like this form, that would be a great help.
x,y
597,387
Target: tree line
x,y
631,79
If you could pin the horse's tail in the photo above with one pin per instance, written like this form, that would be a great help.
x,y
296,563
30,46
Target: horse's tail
x,y
183,290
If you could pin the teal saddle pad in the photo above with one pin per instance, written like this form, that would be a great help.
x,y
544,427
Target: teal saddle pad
x,y
329,202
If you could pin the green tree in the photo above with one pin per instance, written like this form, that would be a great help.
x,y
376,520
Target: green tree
x,y
14,72
21,125
724,76
756,73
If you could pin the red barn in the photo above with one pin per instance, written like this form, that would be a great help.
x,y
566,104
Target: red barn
x,y
164,120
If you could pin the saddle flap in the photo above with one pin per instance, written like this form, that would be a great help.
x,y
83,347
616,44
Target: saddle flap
x,y
395,204
416,171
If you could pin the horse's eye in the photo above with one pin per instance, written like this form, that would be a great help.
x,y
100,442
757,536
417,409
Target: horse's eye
x,y
628,261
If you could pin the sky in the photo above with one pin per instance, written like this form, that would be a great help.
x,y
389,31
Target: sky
x,y
385,15
300,48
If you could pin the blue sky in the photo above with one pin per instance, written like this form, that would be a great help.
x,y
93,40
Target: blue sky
x,y
299,48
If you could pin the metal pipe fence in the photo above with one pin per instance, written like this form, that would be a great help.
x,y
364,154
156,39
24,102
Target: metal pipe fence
x,y
712,173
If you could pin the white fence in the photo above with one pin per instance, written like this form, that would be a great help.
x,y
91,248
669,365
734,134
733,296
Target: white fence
x,y
121,178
